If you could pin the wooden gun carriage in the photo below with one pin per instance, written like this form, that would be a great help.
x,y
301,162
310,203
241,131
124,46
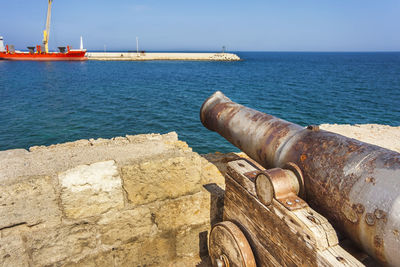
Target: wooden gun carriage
x,y
268,223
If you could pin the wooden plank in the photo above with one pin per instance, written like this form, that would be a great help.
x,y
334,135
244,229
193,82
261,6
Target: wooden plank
x,y
263,225
314,220
263,252
337,256
237,168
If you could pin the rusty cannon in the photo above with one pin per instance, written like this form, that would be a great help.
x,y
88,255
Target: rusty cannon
x,y
300,189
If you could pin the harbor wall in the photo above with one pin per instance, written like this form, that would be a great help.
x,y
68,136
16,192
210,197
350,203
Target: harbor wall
x,y
145,200
133,56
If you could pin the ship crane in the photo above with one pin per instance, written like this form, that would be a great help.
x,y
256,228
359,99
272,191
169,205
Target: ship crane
x,y
46,32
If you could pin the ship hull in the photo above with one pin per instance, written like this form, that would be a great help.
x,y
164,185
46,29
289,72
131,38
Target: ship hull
x,y
24,56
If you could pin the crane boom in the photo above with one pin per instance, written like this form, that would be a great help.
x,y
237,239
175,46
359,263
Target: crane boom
x,y
46,32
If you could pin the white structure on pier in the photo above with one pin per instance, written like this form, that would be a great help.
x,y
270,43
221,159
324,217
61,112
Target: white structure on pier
x,y
81,46
2,48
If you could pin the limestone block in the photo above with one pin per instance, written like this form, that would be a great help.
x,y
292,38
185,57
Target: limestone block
x,y
13,153
157,251
151,252
126,226
77,143
89,190
97,260
140,138
179,145
55,245
214,167
12,252
211,173
184,211
99,141
159,179
29,201
119,140
192,241
190,261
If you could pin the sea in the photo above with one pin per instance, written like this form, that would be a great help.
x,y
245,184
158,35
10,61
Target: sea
x,y
44,103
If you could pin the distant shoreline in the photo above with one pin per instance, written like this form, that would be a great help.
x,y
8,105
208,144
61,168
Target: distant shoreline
x,y
234,51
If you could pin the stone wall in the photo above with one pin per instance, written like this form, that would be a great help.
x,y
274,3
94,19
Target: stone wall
x,y
144,200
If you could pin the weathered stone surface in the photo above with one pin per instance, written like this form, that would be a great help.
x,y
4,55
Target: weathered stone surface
x,y
214,167
140,138
78,143
99,141
190,261
89,190
150,206
59,158
192,241
29,201
157,251
55,245
163,178
12,252
184,211
105,259
152,252
126,226
120,140
13,153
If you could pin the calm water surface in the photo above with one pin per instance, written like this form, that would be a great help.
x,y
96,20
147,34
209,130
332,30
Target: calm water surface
x,y
43,103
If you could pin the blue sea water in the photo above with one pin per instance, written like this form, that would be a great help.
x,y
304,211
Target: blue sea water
x,y
43,103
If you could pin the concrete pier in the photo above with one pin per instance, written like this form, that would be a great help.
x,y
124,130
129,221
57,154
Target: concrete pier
x,y
133,56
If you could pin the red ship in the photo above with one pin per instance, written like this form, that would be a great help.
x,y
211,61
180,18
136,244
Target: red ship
x,y
41,52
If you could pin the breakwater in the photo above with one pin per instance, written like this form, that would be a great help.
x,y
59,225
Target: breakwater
x,y
132,56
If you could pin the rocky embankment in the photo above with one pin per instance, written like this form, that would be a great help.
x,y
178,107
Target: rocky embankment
x,y
162,56
145,200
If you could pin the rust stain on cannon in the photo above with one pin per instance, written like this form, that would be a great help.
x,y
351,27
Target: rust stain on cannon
x,y
359,208
354,184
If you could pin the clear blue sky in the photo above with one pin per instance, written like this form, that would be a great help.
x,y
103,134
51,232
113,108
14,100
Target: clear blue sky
x,y
259,25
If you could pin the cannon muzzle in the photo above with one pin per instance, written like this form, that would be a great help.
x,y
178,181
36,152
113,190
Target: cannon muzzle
x,y
354,184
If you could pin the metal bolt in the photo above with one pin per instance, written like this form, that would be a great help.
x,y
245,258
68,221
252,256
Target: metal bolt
x,y
312,218
370,180
219,263
369,219
289,202
379,214
296,200
340,259
359,208
313,127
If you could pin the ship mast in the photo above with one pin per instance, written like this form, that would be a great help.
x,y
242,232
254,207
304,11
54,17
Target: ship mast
x,y
46,32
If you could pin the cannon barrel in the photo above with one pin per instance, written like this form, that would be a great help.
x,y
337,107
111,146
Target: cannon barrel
x,y
354,184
